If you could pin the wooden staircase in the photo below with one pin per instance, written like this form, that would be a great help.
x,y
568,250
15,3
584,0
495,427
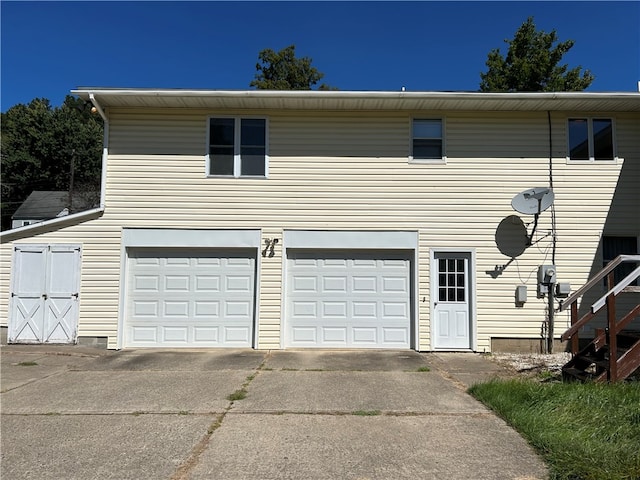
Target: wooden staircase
x,y
614,354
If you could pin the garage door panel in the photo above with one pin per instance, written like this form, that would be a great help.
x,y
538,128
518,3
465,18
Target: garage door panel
x,y
347,299
190,297
237,335
395,284
207,283
395,335
334,335
204,335
365,284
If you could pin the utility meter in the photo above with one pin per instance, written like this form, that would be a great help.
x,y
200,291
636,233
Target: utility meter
x,y
547,274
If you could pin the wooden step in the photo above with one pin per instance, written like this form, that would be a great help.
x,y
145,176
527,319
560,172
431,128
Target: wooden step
x,y
586,361
571,374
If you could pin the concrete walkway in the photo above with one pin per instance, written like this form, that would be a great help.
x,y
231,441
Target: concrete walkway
x,y
79,413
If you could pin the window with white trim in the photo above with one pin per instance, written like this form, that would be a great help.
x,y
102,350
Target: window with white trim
x,y
237,147
427,140
591,139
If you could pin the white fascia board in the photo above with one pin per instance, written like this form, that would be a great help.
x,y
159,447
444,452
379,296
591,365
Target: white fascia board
x,y
171,237
357,240
144,92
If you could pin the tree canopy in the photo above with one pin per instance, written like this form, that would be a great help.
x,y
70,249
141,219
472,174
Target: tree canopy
x,y
532,64
283,71
49,148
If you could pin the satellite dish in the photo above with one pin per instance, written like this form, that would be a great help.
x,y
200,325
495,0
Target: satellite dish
x,y
533,201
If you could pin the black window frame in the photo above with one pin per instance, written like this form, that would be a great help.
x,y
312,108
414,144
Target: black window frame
x,y
597,140
238,156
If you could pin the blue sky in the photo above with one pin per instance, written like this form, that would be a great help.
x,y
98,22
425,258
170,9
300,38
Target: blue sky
x,y
49,48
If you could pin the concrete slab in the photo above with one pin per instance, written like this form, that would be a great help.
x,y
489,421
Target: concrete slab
x,y
352,360
98,446
125,392
377,447
181,360
304,391
24,364
467,368
14,376
46,359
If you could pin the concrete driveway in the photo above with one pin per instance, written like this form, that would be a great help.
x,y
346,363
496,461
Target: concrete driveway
x,y
78,413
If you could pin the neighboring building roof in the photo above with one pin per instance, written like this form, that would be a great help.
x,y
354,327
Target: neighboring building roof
x,y
361,100
42,205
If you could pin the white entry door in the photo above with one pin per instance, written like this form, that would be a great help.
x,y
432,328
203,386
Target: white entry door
x,y
452,300
44,294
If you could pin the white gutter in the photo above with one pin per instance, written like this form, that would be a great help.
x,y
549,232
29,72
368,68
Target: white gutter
x,y
7,234
53,221
176,92
105,149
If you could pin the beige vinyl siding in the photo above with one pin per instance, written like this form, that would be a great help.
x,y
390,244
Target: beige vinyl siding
x,y
270,294
350,171
99,280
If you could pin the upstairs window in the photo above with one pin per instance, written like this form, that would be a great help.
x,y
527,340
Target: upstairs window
x,y
237,147
613,246
427,140
591,139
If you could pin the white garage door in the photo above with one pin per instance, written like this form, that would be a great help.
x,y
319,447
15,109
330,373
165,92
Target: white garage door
x,y
338,299
190,298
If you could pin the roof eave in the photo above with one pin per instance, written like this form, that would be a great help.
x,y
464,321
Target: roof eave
x,y
362,100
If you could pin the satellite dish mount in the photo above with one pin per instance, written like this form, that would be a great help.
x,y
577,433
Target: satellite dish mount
x,y
533,202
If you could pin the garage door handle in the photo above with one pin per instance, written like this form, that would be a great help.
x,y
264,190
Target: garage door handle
x,y
74,295
44,295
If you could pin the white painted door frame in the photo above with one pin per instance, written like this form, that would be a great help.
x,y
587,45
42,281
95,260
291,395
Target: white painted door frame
x,y
470,255
186,238
354,240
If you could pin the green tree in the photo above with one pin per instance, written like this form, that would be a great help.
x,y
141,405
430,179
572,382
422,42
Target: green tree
x,y
283,71
47,148
532,65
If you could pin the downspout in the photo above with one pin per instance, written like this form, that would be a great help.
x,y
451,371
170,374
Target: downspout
x,y
14,233
551,307
105,149
553,207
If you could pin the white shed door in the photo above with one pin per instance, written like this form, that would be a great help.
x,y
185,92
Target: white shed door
x,y
356,299
190,298
44,296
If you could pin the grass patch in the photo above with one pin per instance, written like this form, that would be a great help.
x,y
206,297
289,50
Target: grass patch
x,y
584,431
27,364
423,369
367,413
548,375
237,395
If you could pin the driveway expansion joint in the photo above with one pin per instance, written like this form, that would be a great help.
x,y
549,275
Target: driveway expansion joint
x,y
185,468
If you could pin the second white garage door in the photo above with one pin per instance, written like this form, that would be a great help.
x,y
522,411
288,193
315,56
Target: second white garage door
x,y
186,297
348,299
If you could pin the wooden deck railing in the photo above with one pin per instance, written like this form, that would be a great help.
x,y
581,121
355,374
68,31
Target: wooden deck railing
x,y
614,327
